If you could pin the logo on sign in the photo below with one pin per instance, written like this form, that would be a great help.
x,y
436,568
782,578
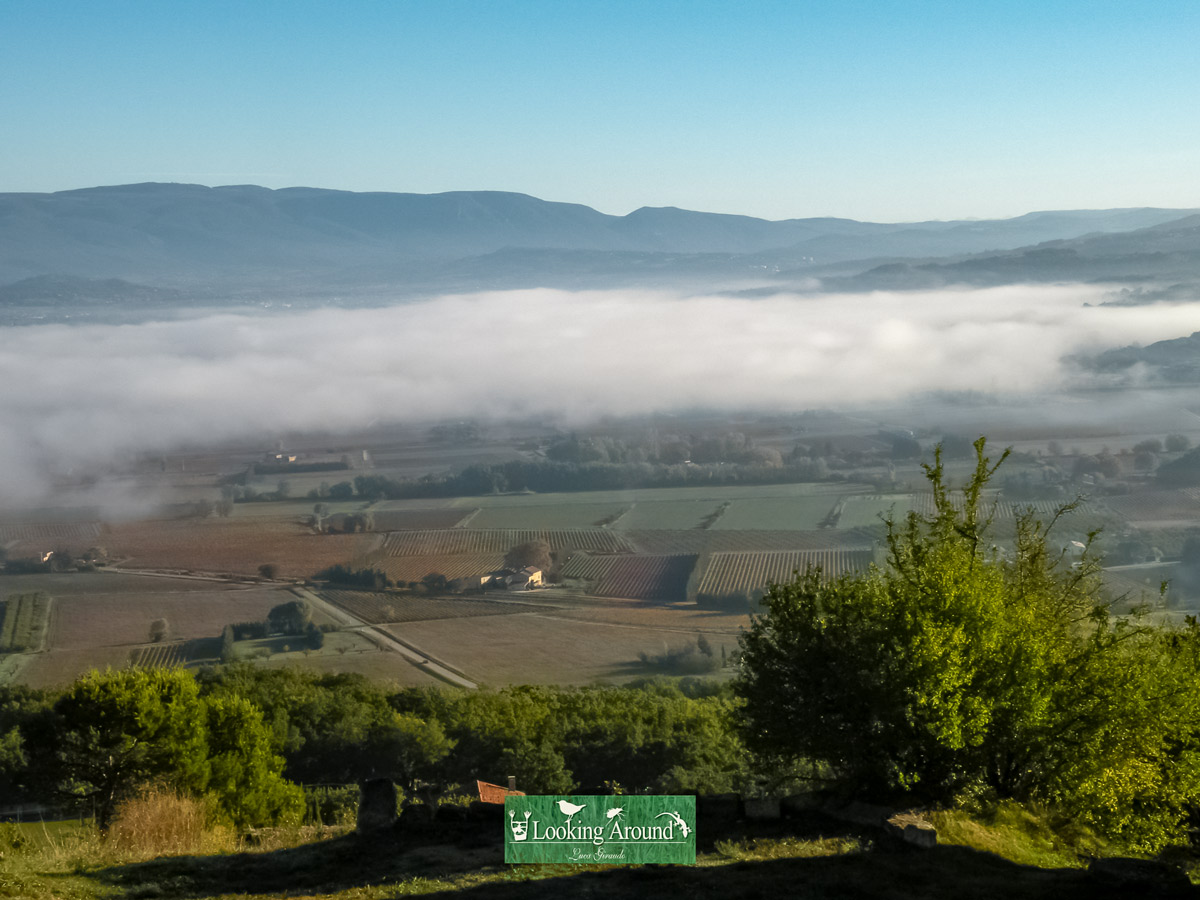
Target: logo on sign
x,y
658,829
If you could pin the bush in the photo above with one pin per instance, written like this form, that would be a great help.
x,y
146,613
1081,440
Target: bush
x,y
367,579
687,659
330,805
248,631
315,636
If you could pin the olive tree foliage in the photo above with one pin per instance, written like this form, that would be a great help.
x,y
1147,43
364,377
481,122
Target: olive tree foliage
x,y
960,669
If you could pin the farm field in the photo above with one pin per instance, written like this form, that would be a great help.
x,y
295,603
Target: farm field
x,y
55,668
107,620
166,655
238,546
549,516
659,579
469,540
1156,506
23,621
417,519
294,510
27,539
380,608
716,540
777,514
671,618
544,649
737,573
667,514
867,511
717,494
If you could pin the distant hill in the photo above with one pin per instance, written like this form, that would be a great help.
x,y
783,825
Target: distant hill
x,y
51,290
192,239
1176,360
1163,259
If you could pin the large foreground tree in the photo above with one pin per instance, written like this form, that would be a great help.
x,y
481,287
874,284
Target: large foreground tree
x,y
962,668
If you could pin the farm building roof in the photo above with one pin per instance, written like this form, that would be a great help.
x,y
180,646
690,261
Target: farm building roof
x,y
486,792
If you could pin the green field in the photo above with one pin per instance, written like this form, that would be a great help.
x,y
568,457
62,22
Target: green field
x,y
865,511
669,515
777,514
23,624
548,516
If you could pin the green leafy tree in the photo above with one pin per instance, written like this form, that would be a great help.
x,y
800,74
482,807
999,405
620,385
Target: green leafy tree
x,y
960,668
121,729
245,771
292,617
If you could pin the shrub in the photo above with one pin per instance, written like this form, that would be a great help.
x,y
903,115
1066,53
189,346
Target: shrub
x,y
330,805
686,659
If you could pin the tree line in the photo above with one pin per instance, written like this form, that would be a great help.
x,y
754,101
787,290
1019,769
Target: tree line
x,y
245,737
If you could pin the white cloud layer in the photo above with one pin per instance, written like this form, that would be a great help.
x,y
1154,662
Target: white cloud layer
x,y
78,394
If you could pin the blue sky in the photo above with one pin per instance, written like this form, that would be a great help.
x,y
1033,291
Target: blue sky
x,y
889,111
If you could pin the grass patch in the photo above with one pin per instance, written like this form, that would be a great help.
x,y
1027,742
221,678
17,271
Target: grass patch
x,y
1032,836
758,849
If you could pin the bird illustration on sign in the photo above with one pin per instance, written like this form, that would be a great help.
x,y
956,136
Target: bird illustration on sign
x,y
569,809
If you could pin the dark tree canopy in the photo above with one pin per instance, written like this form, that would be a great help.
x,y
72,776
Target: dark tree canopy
x,y
292,617
531,553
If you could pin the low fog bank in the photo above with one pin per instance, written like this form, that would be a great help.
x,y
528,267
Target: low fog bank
x,y
80,396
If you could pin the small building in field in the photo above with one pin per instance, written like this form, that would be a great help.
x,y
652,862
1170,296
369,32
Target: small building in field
x,y
527,579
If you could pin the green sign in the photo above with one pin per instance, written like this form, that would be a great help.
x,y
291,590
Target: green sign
x,y
542,829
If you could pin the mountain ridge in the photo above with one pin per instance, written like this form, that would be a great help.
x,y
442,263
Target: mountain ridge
x,y
197,238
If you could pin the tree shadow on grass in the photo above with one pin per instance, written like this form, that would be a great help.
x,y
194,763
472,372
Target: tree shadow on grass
x,y
942,873
473,861
324,866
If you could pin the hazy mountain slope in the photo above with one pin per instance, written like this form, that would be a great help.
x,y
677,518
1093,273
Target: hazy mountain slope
x,y
1157,257
188,236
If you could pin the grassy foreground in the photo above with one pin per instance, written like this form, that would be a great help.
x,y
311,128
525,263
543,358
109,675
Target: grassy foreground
x,y
816,858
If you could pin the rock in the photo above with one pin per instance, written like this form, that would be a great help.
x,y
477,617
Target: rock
x,y
1156,879
762,809
376,805
911,829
